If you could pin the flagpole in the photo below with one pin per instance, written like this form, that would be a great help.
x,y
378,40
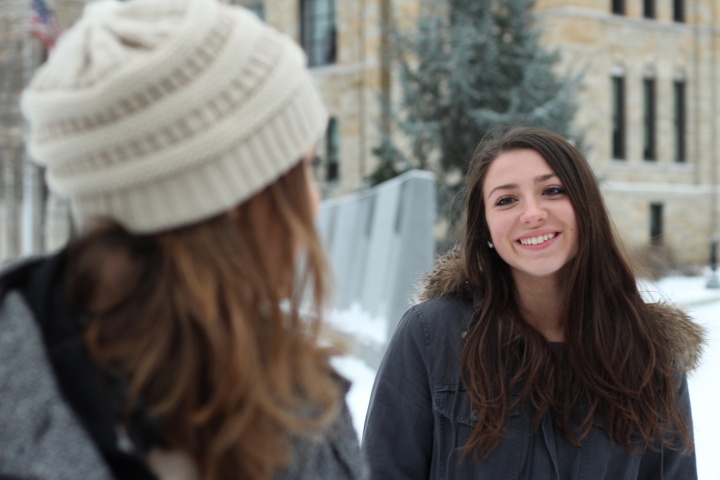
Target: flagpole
x,y
10,164
30,193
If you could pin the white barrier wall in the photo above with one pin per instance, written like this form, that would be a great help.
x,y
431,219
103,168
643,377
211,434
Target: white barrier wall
x,y
379,241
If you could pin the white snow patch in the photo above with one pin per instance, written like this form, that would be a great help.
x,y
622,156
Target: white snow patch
x,y
358,397
704,385
683,291
360,323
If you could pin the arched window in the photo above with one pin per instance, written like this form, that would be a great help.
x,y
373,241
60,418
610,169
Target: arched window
x,y
618,113
318,31
649,119
680,119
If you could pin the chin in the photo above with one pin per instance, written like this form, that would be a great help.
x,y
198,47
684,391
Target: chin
x,y
546,271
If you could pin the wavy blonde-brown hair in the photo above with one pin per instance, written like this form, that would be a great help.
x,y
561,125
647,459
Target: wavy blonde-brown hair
x,y
204,322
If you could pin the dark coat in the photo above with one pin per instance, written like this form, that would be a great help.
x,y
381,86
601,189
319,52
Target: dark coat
x,y
420,414
56,417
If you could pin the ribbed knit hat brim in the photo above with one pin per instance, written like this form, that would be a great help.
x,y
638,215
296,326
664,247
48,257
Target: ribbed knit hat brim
x,y
162,113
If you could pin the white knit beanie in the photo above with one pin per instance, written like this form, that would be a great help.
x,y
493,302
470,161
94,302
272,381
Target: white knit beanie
x,y
162,113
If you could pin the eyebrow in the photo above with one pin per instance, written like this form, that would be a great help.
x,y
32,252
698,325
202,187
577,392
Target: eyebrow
x,y
510,186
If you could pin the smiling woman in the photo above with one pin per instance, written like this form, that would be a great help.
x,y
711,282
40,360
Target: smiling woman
x,y
530,217
532,354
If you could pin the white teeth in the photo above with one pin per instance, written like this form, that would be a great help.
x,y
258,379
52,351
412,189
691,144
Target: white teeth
x,y
537,240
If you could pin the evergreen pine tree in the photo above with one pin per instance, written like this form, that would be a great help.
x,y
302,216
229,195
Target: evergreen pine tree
x,y
470,66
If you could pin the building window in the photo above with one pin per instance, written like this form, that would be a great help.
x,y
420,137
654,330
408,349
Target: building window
x,y
618,7
255,7
332,151
649,119
656,223
679,119
618,117
679,10
259,10
649,8
318,31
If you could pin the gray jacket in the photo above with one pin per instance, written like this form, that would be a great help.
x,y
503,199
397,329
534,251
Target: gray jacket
x,y
420,414
54,424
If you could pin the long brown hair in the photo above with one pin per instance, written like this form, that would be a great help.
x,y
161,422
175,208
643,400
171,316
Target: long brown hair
x,y
614,365
204,322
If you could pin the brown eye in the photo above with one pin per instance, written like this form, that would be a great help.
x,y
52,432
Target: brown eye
x,y
554,191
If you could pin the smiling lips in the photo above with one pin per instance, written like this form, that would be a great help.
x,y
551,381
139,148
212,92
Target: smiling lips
x,y
537,240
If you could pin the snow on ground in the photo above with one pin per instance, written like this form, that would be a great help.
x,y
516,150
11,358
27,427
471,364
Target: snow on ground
x,y
360,324
703,304
704,387
689,292
358,397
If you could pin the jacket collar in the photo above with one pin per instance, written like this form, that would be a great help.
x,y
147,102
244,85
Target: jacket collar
x,y
677,329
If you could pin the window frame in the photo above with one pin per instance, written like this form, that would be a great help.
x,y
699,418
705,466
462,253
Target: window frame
x,y
680,120
649,10
318,31
656,223
617,7
678,11
332,150
649,119
618,117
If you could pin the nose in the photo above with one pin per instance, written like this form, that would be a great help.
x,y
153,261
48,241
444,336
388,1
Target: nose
x,y
533,213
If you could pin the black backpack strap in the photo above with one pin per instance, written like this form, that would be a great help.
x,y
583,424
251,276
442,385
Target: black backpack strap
x,y
15,275
41,283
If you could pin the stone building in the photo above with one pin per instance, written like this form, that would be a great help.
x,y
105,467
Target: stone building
x,y
648,107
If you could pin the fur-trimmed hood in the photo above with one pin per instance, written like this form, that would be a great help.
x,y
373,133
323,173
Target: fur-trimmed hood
x,y
685,337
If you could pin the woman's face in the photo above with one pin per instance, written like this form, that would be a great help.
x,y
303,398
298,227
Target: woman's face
x,y
529,214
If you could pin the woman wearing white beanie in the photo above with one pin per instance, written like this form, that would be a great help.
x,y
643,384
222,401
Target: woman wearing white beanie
x,y
166,341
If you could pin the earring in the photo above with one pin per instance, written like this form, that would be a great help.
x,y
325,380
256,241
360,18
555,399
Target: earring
x,y
490,245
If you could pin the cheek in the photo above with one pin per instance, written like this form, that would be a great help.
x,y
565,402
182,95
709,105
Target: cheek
x,y
498,226
571,221
576,240
504,250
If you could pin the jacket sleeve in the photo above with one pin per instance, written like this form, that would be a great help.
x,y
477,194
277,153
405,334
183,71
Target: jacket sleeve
x,y
669,464
398,431
334,455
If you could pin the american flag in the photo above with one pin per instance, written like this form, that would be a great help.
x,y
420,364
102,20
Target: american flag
x,y
44,24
